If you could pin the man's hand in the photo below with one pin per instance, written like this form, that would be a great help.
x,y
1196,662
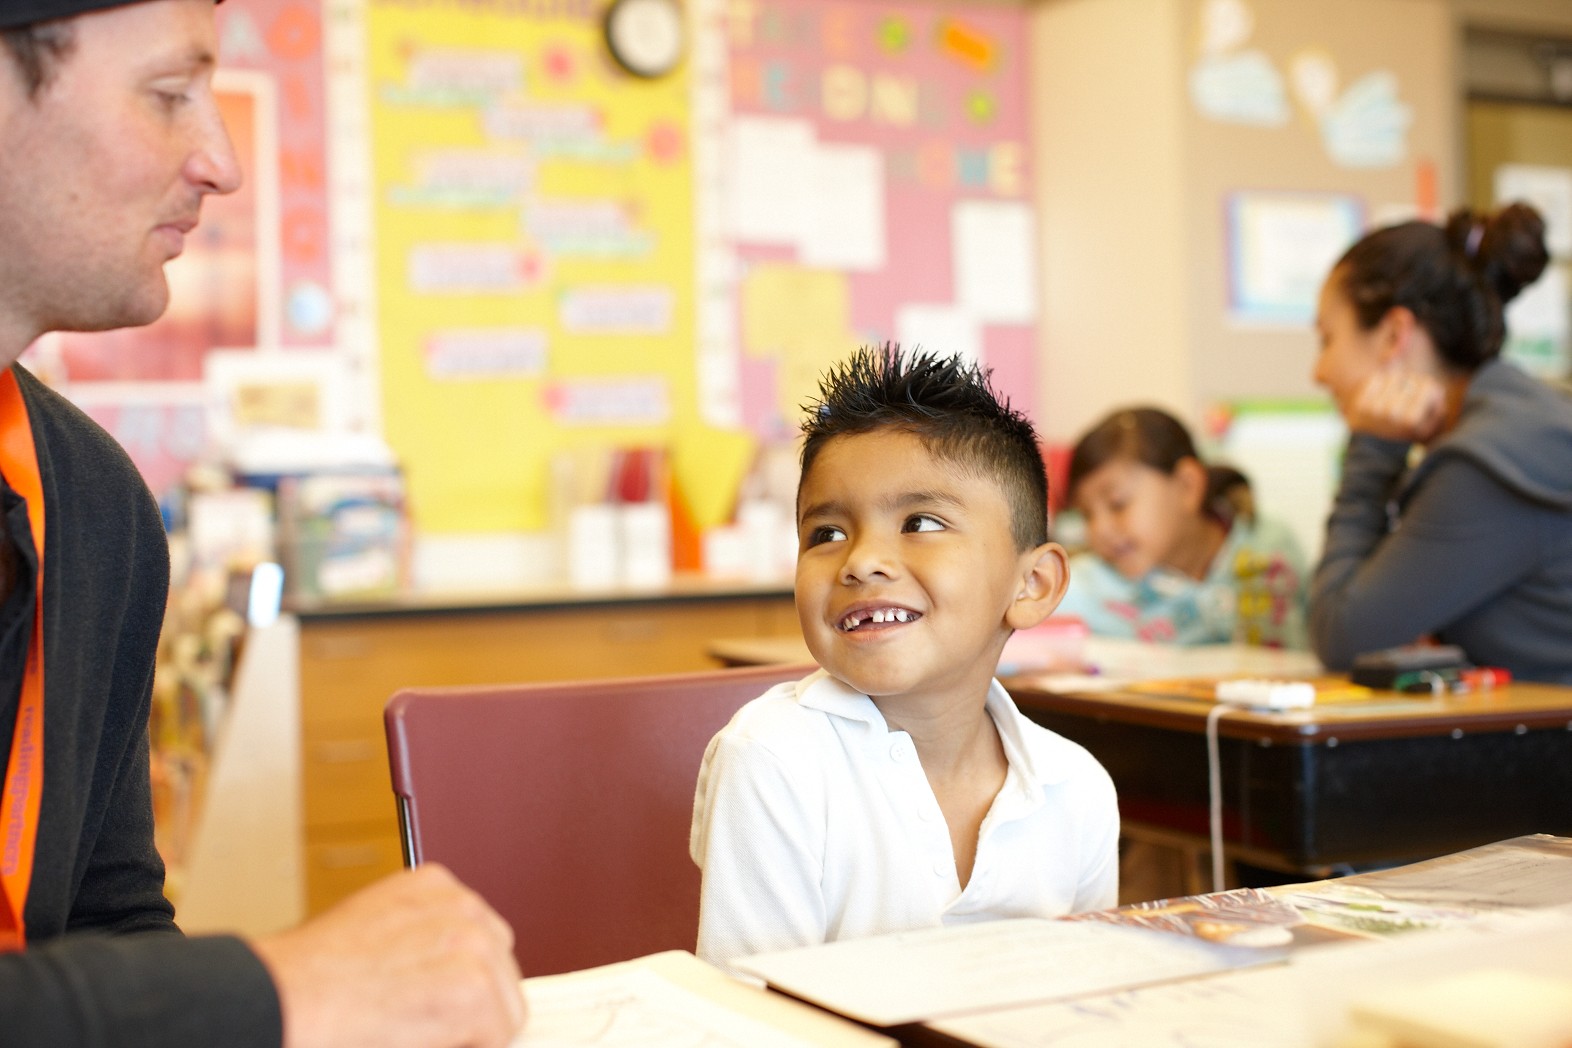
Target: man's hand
x,y
1399,404
414,961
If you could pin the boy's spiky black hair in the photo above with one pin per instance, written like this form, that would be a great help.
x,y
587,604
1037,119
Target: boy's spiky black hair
x,y
949,405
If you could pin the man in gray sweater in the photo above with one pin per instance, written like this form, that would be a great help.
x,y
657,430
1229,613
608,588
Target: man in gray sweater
x,y
112,139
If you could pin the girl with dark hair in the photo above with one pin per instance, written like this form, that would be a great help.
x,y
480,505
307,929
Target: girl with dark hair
x,y
1171,557
1453,519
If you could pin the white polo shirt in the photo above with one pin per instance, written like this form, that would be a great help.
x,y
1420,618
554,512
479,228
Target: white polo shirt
x,y
813,822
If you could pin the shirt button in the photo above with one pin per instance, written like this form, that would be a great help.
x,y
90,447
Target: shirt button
x,y
898,751
941,870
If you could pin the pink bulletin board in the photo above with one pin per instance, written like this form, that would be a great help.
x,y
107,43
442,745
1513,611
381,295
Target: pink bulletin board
x,y
916,112
283,40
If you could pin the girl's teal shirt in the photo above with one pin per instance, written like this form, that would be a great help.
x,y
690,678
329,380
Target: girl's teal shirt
x,y
1253,593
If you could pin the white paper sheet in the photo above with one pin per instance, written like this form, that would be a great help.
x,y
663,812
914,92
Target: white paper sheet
x,y
936,972
1534,871
674,1000
1235,1010
940,329
768,179
844,226
1303,1004
631,1006
995,257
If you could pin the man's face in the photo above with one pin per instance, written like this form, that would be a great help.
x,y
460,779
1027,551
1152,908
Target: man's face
x,y
105,169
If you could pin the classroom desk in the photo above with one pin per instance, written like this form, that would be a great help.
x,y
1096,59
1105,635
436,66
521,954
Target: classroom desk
x,y
1389,779
1386,780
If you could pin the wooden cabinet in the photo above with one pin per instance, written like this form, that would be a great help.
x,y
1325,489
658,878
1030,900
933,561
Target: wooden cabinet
x,y
353,660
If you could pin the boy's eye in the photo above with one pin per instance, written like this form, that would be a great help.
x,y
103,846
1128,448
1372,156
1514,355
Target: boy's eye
x,y
825,533
923,522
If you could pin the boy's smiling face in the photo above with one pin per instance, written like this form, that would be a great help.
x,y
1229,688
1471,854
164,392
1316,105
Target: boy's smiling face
x,y
907,572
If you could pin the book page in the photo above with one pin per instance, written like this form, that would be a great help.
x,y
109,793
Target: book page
x,y
1529,871
1305,1003
1234,1010
913,976
674,1000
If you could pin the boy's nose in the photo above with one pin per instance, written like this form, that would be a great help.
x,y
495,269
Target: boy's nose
x,y
866,558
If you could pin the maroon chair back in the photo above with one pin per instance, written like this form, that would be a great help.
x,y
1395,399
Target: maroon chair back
x,y
567,805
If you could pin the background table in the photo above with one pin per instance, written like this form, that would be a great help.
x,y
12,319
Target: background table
x,y
1389,779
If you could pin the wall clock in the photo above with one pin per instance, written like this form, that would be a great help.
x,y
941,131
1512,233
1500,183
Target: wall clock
x,y
645,36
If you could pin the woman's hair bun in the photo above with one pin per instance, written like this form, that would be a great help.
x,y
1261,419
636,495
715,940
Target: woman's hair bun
x,y
1506,247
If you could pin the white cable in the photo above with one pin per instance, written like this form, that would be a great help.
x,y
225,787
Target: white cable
x,y
1214,782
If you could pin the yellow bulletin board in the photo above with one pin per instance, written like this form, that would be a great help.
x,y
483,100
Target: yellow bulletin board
x,y
533,251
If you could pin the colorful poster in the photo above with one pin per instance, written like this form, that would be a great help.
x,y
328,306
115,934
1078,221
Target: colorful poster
x,y
532,207
871,184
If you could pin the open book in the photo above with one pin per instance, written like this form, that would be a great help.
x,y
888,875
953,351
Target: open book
x,y
675,1000
915,976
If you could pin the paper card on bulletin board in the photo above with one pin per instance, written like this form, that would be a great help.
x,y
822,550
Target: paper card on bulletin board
x,y
1280,247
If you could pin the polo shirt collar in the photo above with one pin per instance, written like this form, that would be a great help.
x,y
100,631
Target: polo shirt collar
x,y
1040,765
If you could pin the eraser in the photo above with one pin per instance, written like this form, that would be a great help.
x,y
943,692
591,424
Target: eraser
x,y
1267,694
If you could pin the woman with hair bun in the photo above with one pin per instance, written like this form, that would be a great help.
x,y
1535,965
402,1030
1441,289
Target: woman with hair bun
x,y
1453,520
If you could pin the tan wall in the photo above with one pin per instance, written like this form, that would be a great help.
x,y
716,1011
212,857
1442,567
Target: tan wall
x,y
1411,38
1133,182
1109,163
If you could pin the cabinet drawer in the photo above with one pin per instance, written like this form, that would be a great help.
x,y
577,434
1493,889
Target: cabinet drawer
x,y
344,769
340,866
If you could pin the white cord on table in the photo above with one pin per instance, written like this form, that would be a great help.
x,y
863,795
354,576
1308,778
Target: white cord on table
x,y
1214,782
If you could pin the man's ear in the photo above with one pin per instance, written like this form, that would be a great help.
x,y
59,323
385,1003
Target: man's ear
x,y
1045,577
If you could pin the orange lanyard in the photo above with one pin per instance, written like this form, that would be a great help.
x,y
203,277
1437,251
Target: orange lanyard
x,y
24,774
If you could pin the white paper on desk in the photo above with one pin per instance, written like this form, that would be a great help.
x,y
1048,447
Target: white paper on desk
x,y
1236,1010
914,976
1137,660
1524,872
624,1005
1302,1004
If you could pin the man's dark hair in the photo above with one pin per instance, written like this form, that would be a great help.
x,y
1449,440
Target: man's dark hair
x,y
948,405
37,49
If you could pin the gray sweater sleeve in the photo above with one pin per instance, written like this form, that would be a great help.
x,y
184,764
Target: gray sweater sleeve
x,y
1452,550
150,990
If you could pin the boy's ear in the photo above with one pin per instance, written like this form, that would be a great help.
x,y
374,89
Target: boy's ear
x,y
1046,577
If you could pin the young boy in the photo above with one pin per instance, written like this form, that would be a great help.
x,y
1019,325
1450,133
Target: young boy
x,y
898,787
